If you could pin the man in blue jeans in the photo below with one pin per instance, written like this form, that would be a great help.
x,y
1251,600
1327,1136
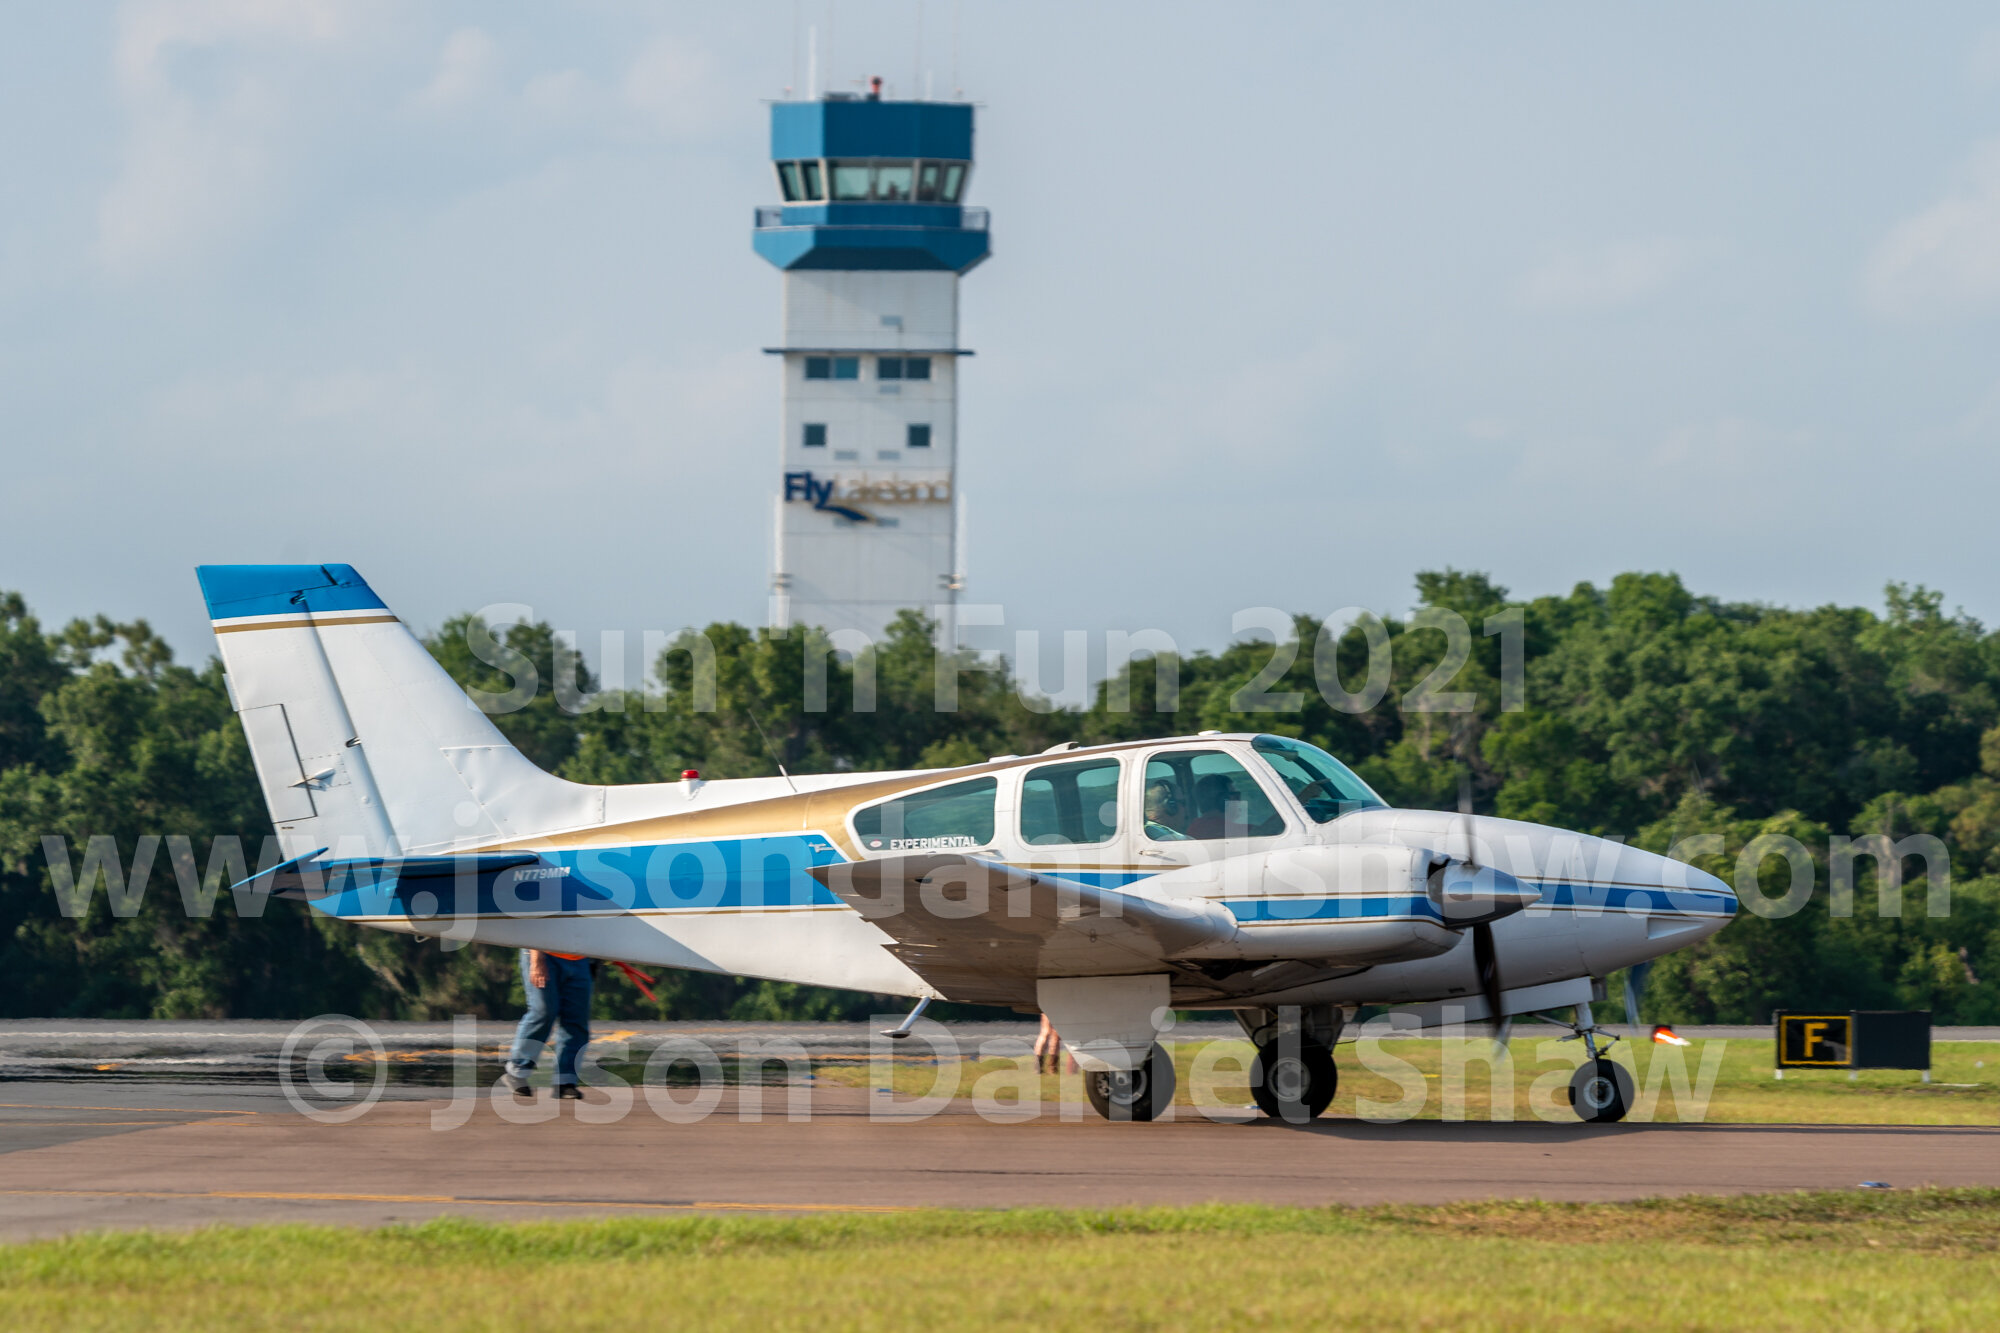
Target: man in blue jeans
x,y
558,987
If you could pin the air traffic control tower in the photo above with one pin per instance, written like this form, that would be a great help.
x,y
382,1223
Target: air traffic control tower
x,y
871,237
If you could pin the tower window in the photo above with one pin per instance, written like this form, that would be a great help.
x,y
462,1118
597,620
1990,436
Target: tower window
x,y
892,181
847,367
809,178
919,436
788,182
851,179
819,367
954,181
815,435
927,183
902,367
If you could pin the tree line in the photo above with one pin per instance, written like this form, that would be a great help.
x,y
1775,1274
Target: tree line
x,y
1638,710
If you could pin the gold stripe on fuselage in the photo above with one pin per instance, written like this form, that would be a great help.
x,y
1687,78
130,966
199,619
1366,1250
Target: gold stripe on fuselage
x,y
802,812
307,622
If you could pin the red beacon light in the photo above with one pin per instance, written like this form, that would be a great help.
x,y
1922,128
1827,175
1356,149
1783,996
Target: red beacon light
x,y
690,775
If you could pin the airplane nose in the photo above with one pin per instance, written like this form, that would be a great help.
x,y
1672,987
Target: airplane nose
x,y
1648,906
1694,891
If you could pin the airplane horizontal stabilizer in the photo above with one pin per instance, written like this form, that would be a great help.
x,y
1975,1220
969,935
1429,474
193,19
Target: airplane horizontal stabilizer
x,y
309,877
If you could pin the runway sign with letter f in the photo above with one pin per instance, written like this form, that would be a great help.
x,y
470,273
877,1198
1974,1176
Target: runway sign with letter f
x,y
1813,1041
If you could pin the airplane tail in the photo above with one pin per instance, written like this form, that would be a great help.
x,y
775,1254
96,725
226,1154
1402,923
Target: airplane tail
x,y
363,744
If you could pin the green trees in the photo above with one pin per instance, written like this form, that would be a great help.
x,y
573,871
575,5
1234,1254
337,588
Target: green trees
x,y
1640,710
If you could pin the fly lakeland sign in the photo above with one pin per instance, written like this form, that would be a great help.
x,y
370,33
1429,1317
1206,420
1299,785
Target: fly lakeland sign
x,y
839,495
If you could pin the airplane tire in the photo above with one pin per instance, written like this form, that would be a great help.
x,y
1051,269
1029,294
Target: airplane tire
x,y
1293,1085
1144,1093
1601,1091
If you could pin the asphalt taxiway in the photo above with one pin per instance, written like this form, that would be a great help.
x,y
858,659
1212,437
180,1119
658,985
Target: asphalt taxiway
x,y
78,1155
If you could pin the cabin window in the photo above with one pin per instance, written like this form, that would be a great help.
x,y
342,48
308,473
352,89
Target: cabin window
x,y
1072,805
927,182
954,181
809,180
788,182
943,819
1201,795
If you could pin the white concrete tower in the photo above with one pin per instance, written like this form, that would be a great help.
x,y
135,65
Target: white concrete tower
x,y
871,239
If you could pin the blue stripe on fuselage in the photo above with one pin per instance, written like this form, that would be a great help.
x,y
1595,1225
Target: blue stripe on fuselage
x,y
1628,898
1356,907
720,875
737,874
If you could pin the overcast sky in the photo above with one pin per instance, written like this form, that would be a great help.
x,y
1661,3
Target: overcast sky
x,y
1286,303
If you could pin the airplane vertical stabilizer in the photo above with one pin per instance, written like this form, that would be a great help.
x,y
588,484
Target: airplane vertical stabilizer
x,y
363,744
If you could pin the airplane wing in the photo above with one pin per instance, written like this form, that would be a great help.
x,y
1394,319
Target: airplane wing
x,y
983,932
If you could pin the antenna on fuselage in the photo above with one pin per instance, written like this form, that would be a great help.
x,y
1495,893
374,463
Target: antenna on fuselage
x,y
751,714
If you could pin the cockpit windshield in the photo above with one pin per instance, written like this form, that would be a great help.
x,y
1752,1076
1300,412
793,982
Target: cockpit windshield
x,y
1326,787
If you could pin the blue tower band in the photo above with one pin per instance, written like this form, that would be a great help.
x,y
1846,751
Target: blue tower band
x,y
871,236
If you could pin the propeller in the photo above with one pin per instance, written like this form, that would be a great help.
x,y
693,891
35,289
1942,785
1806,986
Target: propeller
x,y
1635,986
1486,966
1485,958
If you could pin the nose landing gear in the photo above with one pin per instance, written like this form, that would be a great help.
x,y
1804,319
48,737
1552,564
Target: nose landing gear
x,y
1601,1089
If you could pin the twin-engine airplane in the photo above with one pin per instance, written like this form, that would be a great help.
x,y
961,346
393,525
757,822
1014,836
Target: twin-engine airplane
x,y
1104,886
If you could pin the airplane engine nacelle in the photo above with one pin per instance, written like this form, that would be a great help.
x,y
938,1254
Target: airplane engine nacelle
x,y
1470,895
1345,903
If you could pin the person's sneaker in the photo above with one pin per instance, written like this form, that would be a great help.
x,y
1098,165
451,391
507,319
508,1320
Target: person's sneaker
x,y
517,1084
568,1092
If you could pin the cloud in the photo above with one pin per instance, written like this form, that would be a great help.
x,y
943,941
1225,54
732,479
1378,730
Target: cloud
x,y
673,83
467,69
1249,418
1945,260
1608,277
670,90
204,125
1985,60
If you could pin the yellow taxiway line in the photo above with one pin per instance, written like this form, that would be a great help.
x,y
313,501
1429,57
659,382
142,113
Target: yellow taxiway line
x,y
296,1196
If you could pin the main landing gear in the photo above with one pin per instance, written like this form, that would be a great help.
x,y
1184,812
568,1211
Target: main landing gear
x,y
1601,1089
1144,1093
1293,1078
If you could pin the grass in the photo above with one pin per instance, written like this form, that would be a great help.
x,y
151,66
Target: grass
x,y
1421,1078
1901,1260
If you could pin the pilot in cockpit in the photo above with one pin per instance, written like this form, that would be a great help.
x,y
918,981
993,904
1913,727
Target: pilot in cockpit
x,y
1163,812
1212,795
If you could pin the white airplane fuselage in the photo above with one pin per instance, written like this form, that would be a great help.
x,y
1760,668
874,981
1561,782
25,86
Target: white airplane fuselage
x,y
1260,871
